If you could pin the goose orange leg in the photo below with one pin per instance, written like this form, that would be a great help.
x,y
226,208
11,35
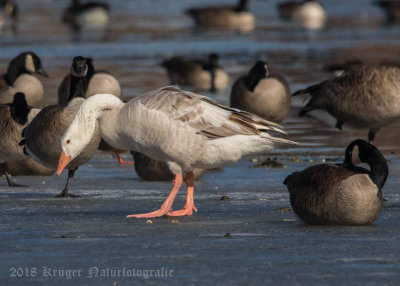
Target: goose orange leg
x,y
121,161
167,205
189,205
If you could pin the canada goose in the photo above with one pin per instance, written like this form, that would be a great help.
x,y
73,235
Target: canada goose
x,y
367,97
19,78
98,82
263,93
152,170
224,17
391,8
90,14
310,13
13,118
198,74
42,135
341,194
27,167
338,68
8,14
183,129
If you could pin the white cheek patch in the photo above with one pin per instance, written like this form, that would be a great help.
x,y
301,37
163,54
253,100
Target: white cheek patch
x,y
355,159
29,65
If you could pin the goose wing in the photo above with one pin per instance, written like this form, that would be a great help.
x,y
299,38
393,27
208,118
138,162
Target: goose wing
x,y
206,116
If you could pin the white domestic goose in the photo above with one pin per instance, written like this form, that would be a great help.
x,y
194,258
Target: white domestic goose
x,y
183,129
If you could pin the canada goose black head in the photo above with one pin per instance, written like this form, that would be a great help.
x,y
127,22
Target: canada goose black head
x,y
19,108
360,151
27,62
79,67
257,72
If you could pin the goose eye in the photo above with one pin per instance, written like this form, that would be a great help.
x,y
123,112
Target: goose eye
x,y
68,141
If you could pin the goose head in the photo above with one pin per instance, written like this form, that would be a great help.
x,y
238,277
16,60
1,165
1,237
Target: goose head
x,y
259,71
81,130
360,151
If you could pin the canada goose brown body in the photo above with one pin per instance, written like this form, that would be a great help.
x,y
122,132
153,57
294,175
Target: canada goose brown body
x,y
367,97
152,170
235,17
262,93
340,194
19,78
42,135
14,117
197,74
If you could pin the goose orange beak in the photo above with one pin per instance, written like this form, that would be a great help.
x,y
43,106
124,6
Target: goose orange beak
x,y
63,162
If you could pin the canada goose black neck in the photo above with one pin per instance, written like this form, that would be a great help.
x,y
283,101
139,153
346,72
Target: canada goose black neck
x,y
19,108
256,73
211,65
242,6
367,153
79,81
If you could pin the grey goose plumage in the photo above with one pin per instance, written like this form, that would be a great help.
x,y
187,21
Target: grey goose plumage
x,y
343,194
42,135
366,97
262,93
19,78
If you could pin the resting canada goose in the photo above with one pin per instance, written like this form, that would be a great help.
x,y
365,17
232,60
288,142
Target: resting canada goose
x,y
224,17
183,129
13,118
19,78
367,97
98,82
27,167
392,10
310,13
152,170
42,135
341,194
198,74
90,14
263,93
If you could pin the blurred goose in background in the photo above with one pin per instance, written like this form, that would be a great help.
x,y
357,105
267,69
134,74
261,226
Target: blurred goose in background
x,y
391,9
151,170
98,82
310,13
263,93
197,74
19,78
183,129
337,68
13,119
42,135
343,194
367,97
90,14
224,17
8,14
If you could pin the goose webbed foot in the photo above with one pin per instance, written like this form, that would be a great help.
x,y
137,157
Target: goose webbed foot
x,y
9,179
122,161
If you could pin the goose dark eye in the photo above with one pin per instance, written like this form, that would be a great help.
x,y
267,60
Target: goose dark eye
x,y
68,141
